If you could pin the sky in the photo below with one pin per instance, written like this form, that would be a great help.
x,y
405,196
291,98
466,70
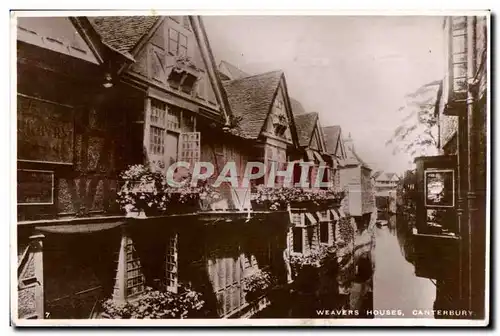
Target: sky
x,y
353,70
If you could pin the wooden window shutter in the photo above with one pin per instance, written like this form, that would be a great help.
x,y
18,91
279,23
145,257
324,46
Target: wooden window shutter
x,y
212,272
331,233
228,263
221,272
305,241
219,157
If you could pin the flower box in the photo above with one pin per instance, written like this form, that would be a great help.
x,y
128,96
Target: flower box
x,y
267,205
260,206
297,198
303,204
184,203
155,304
257,285
253,296
145,193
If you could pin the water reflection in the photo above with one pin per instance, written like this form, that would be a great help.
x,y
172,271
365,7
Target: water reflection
x,y
400,227
392,225
404,235
396,287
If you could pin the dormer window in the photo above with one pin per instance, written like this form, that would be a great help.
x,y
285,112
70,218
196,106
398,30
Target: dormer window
x,y
280,123
184,74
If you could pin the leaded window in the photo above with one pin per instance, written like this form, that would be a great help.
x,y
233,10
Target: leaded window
x,y
135,278
177,43
171,263
173,119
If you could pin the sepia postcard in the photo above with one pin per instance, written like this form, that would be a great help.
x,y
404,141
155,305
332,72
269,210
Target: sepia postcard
x,y
250,169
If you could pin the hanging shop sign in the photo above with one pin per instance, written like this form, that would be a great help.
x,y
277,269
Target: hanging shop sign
x,y
440,188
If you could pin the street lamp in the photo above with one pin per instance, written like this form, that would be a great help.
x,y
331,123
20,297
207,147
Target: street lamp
x,y
107,81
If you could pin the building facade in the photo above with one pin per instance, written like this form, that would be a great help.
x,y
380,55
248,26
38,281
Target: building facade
x,y
128,91
463,123
355,177
385,181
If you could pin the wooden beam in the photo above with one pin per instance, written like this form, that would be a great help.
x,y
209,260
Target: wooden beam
x,y
36,243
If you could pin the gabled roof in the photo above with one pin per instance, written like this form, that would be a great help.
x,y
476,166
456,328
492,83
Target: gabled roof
x,y
63,35
223,76
251,99
232,72
357,158
352,157
390,175
123,33
376,174
383,176
331,138
297,107
305,124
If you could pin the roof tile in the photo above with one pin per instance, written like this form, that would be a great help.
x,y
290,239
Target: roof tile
x,y
234,72
123,32
331,136
250,99
305,124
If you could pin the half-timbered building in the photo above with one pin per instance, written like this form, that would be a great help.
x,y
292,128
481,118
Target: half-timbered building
x,y
98,95
137,90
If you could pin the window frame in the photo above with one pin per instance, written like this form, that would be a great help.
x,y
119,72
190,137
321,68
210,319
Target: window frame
x,y
129,251
174,42
170,123
157,122
172,267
